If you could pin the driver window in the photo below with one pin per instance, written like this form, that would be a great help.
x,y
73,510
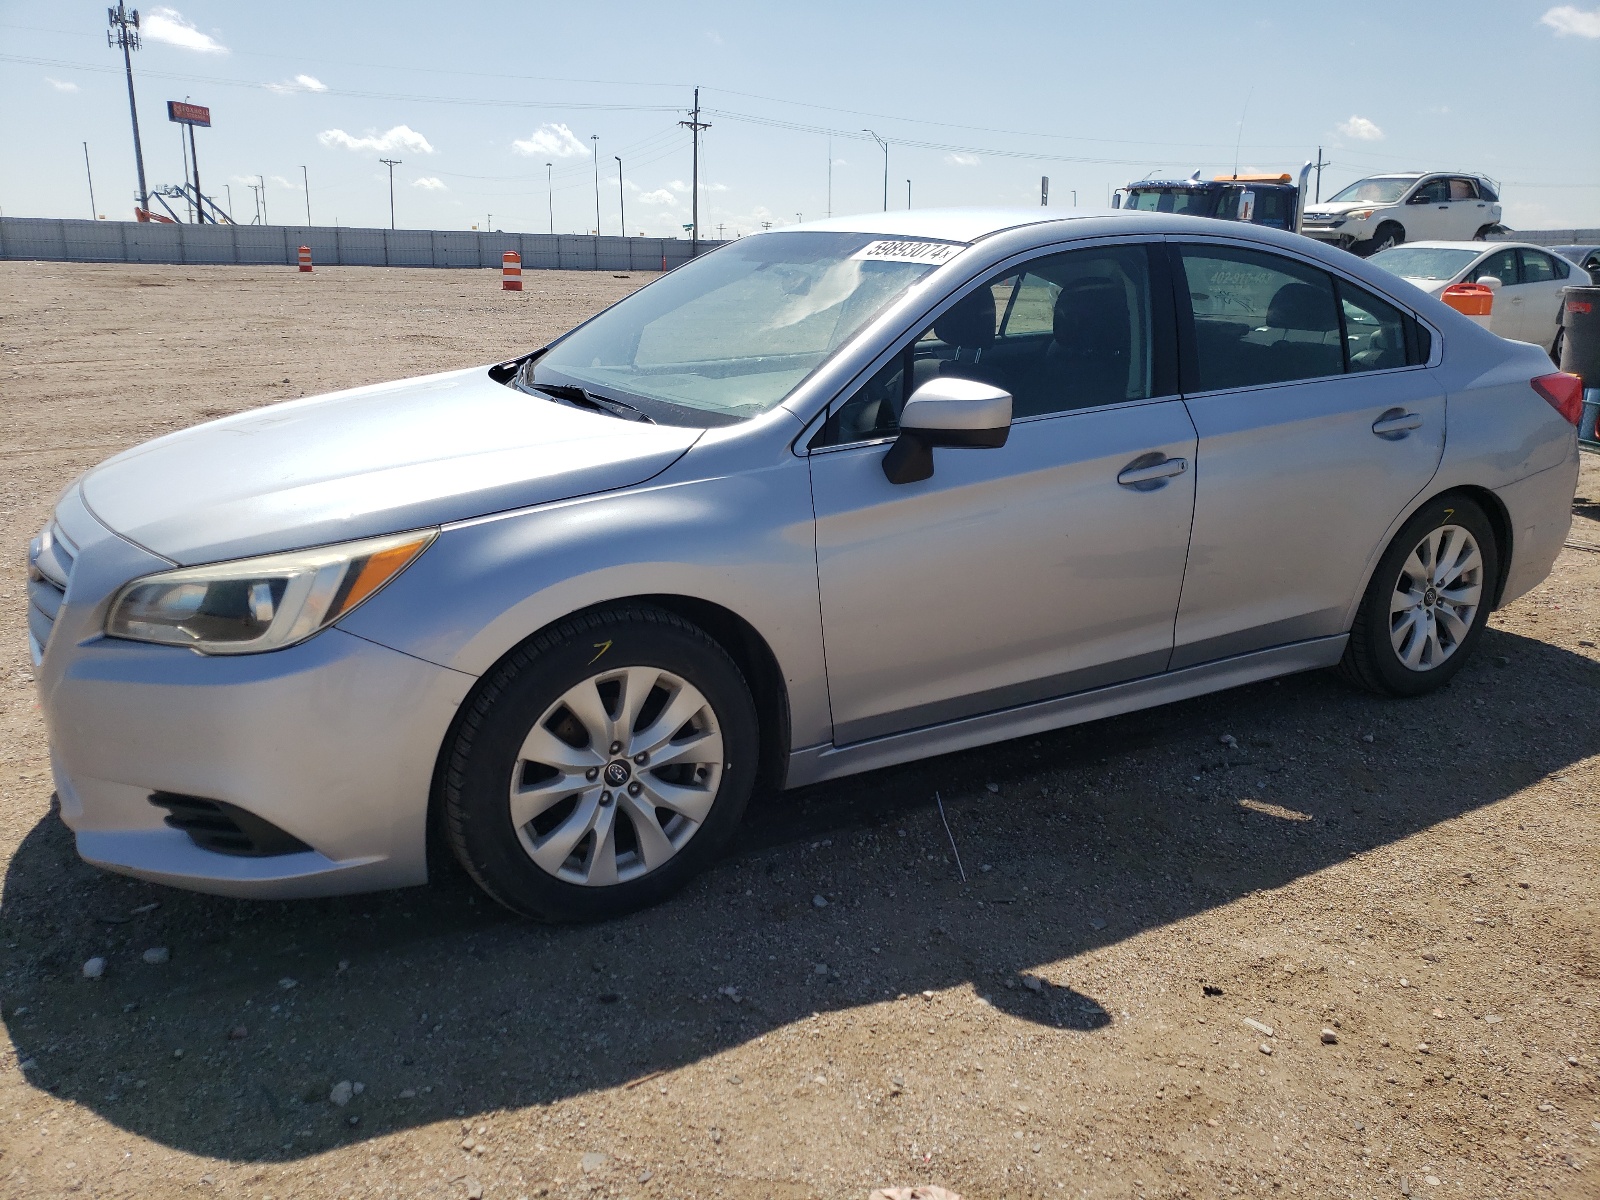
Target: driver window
x,y
1068,331
1502,264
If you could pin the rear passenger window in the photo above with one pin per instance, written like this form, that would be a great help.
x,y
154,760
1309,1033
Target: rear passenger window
x,y
1374,330
1260,319
1536,267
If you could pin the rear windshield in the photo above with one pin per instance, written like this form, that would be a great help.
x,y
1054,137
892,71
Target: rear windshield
x,y
1424,262
731,334
1190,202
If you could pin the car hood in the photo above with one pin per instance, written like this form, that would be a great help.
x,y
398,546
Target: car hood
x,y
1432,286
372,460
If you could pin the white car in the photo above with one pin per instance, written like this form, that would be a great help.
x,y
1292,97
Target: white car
x,y
1527,303
1376,213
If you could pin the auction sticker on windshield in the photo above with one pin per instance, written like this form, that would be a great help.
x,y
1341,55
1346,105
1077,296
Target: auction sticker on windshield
x,y
932,254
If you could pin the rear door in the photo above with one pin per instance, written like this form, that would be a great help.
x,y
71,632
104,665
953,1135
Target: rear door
x,y
1544,276
1315,429
1468,211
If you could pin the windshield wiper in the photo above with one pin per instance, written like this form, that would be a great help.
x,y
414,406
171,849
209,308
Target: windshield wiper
x,y
587,399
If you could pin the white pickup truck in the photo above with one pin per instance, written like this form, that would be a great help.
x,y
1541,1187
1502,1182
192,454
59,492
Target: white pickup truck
x,y
1383,211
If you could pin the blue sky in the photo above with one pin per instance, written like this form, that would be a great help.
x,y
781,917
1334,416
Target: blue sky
x,y
976,101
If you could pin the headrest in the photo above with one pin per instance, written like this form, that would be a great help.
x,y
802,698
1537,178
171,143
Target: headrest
x,y
970,323
1092,314
1301,306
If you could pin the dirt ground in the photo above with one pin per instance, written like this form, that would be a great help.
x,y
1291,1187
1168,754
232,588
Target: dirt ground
x,y
1419,878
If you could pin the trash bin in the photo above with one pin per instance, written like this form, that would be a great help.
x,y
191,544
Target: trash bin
x,y
1580,352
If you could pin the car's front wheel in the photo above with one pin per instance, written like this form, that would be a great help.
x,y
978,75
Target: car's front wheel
x,y
1427,603
601,766
1389,235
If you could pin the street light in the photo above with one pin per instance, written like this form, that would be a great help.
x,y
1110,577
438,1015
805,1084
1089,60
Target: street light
x,y
550,193
908,193
622,210
885,146
595,138
306,179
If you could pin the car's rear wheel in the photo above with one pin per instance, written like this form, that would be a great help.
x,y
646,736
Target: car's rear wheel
x,y
601,766
1388,236
1555,346
1483,233
1427,603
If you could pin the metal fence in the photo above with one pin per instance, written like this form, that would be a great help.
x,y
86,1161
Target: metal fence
x,y
59,240
1550,237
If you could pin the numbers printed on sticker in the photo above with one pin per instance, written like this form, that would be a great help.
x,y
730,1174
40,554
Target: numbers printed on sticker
x,y
930,253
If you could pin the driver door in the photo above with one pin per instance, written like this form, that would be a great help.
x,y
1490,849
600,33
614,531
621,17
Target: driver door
x,y
1032,570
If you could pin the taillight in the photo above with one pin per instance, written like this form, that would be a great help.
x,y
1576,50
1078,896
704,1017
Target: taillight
x,y
1564,391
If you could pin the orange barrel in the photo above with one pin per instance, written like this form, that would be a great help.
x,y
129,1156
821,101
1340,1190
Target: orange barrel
x,y
1473,300
305,259
511,271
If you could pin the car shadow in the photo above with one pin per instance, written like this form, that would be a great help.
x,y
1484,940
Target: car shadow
x,y
833,897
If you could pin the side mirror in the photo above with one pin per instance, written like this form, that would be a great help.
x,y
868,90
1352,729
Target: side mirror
x,y
1116,200
1492,282
946,412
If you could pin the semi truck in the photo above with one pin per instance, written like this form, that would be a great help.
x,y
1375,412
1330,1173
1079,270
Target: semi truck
x,y
1276,201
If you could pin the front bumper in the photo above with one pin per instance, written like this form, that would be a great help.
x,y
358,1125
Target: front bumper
x,y
1339,235
333,741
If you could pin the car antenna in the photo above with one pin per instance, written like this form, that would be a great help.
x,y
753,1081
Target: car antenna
x,y
1240,138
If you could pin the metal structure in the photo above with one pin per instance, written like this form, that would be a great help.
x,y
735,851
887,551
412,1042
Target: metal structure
x,y
181,112
94,212
124,35
622,209
595,138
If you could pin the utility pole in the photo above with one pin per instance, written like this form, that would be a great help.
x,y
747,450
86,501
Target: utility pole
x,y
228,187
263,194
908,194
720,228
695,126
124,35
1320,165
830,177
391,163
885,146
1044,191
183,152
550,193
595,138
94,214
622,208
306,179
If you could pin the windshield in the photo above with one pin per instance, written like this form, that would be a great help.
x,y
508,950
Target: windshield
x,y
1382,189
1190,202
731,334
1423,262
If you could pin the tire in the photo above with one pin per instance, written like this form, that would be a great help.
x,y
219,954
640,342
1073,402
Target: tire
x,y
1483,233
1555,346
1389,235
557,826
1411,650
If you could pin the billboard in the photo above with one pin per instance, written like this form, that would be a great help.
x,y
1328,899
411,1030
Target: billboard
x,y
189,114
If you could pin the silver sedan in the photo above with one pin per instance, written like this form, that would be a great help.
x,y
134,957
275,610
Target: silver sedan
x,y
823,500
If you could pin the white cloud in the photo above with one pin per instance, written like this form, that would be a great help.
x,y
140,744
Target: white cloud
x,y
659,196
292,184
430,184
555,141
1570,19
172,27
61,85
1361,129
962,160
401,137
300,83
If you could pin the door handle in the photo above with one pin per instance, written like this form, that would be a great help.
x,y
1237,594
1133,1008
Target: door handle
x,y
1396,423
1147,476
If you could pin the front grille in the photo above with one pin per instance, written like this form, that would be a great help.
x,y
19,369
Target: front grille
x,y
225,828
50,559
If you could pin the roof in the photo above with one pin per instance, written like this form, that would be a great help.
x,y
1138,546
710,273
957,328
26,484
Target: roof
x,y
1474,246
947,224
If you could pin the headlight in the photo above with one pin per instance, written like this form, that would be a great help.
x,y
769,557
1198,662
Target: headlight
x,y
256,604
1359,214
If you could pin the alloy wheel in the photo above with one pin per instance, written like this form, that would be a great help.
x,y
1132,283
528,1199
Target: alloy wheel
x,y
1436,598
616,776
